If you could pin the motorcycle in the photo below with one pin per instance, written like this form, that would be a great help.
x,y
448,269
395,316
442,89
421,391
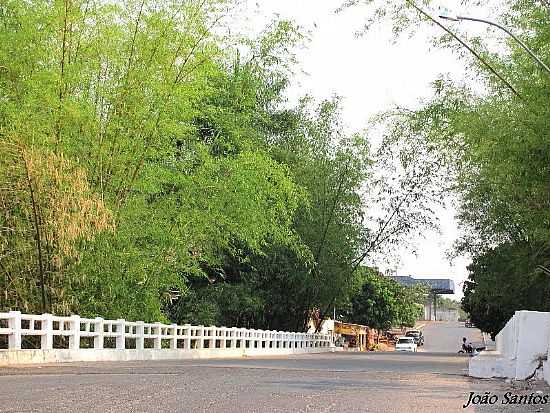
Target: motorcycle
x,y
470,350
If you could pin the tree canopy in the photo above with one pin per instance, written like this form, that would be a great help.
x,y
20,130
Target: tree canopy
x,y
382,303
151,168
489,132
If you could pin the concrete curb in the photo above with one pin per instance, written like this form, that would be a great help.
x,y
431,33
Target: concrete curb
x,y
9,358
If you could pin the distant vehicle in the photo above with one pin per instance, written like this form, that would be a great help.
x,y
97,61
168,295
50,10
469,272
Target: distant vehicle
x,y
406,344
417,335
392,336
468,324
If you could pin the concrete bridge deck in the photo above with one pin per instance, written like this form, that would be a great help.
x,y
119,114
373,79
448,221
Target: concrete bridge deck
x,y
328,382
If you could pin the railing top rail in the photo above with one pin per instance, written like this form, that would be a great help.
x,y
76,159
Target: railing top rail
x,y
97,328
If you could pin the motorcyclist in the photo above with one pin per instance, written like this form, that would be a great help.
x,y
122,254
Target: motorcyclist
x,y
466,347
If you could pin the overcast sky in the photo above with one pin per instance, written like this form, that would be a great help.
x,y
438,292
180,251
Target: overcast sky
x,y
371,73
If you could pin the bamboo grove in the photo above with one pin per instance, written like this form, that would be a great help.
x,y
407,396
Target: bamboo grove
x,y
151,168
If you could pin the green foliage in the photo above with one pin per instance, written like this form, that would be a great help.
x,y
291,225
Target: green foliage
x,y
47,211
172,181
289,281
492,142
503,280
383,303
144,99
444,303
333,168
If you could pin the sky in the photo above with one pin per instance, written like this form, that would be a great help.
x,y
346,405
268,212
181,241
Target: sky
x,y
371,73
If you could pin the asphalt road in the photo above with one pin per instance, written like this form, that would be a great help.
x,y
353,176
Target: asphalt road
x,y
330,382
447,336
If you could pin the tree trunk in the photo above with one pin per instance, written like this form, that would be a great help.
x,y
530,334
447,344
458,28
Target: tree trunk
x,y
37,236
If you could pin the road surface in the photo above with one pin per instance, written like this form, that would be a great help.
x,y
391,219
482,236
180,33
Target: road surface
x,y
446,337
330,382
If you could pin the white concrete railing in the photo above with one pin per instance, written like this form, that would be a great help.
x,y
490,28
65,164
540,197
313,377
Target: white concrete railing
x,y
168,338
520,346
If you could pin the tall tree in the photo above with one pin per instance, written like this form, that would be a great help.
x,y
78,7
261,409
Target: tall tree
x,y
491,134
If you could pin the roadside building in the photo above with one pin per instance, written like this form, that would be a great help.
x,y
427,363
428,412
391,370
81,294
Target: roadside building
x,y
355,337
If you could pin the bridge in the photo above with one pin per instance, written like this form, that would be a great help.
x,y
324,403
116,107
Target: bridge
x,y
256,371
324,382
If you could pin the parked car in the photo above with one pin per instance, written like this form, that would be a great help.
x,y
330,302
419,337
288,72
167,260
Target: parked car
x,y
468,324
417,335
406,344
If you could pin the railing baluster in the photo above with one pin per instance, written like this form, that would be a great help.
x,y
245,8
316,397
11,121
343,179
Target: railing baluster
x,y
174,339
157,341
14,323
99,331
46,341
74,338
140,339
121,334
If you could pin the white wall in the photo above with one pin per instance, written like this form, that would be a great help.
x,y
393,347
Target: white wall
x,y
442,314
519,346
447,315
327,327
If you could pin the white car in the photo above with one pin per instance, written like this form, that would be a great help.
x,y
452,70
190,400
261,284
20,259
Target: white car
x,y
405,344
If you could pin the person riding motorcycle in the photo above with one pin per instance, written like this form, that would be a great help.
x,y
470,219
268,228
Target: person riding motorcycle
x,y
467,347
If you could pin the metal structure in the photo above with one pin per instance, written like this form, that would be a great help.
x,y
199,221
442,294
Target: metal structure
x,y
438,286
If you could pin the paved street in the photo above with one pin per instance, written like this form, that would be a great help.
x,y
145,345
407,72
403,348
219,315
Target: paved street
x,y
333,382
447,336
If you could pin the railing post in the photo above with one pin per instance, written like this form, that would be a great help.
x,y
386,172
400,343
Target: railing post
x,y
233,335
174,338
46,341
187,340
240,340
223,341
140,335
121,334
253,338
74,338
200,338
14,323
157,341
212,340
99,330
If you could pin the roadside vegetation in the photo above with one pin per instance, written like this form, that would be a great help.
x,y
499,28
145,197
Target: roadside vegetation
x,y
491,133
151,168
